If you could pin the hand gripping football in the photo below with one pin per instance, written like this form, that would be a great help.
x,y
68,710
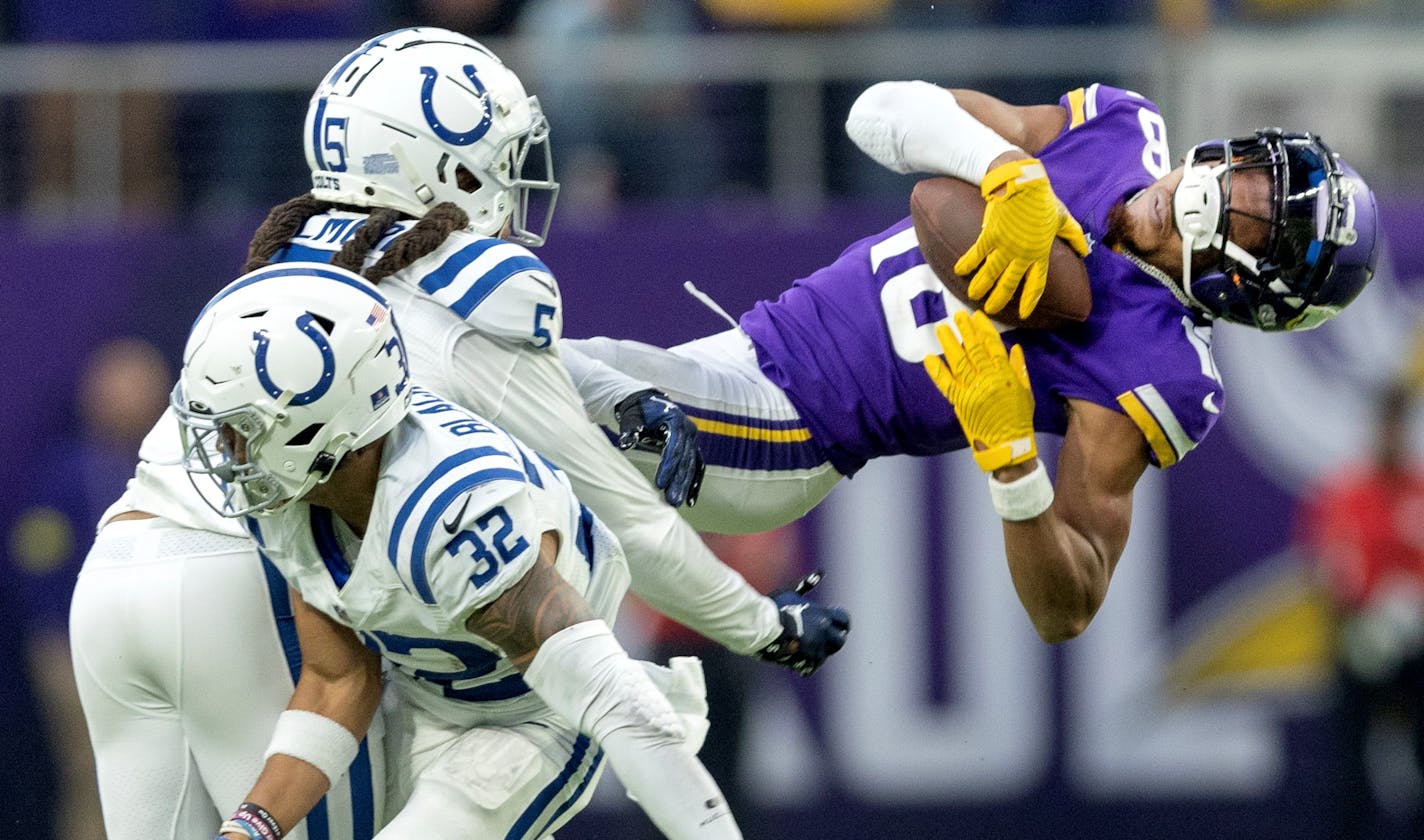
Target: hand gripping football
x,y
948,214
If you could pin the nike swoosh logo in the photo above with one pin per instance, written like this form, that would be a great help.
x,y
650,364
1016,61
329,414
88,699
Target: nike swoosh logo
x,y
452,525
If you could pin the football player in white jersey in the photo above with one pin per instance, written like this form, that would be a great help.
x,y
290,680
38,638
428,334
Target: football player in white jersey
x,y
418,142
484,320
416,532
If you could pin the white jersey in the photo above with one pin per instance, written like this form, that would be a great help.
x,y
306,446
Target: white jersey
x,y
482,319
459,511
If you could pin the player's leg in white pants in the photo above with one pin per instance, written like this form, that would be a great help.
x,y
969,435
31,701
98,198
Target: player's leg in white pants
x,y
763,468
182,671
450,782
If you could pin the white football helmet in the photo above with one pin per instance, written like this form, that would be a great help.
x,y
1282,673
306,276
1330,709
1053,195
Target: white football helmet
x,y
421,116
286,370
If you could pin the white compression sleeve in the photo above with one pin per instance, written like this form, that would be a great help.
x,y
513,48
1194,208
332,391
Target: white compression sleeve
x,y
919,127
599,385
585,676
672,568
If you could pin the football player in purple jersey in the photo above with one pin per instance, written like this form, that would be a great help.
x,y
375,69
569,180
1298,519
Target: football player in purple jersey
x,y
857,360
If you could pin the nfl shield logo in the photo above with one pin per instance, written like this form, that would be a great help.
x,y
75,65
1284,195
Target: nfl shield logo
x,y
381,397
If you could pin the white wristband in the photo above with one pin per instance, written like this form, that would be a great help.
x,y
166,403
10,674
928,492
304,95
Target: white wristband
x,y
1023,498
316,739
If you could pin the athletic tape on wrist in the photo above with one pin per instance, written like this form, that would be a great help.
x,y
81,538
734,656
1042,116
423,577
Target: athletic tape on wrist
x,y
316,739
1023,498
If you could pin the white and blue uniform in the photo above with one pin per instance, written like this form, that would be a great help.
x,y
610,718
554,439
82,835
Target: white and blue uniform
x,y
482,320
167,613
459,511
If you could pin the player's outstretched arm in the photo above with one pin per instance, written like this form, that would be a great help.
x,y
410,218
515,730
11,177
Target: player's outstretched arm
x,y
1062,560
1061,547
317,738
650,421
810,632
672,569
915,126
572,661
646,420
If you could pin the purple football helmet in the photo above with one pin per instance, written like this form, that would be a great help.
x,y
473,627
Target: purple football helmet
x,y
1322,244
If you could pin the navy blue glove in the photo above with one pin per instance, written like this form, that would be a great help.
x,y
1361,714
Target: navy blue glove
x,y
810,632
649,421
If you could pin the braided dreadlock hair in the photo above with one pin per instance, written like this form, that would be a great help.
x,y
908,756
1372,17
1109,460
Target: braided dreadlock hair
x,y
286,219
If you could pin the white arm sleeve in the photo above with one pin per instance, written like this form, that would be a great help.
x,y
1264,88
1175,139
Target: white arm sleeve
x,y
919,127
601,385
585,676
671,568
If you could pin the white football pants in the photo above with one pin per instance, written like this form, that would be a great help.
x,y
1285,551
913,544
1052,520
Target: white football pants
x,y
181,645
516,781
763,469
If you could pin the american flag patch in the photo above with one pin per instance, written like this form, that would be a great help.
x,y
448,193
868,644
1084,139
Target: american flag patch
x,y
381,397
380,164
378,315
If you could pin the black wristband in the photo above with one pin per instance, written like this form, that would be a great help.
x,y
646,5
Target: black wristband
x,y
251,811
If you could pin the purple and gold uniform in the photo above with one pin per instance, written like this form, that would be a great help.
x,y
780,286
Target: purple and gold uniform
x,y
859,384
833,373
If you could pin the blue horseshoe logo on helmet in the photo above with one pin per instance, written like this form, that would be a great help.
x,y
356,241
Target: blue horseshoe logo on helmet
x,y
328,363
454,138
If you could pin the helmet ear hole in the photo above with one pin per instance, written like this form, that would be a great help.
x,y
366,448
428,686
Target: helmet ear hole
x,y
466,180
305,436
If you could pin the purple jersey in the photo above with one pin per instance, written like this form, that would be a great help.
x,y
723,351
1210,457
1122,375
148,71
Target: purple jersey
x,y
859,382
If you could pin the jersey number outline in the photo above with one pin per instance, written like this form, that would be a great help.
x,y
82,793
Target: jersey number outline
x,y
488,562
475,662
1155,157
543,312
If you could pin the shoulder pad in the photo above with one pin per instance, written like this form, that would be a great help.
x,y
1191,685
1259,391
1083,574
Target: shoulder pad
x,y
498,287
1085,104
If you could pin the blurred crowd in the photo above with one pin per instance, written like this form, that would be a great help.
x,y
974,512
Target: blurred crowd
x,y
1361,531
204,151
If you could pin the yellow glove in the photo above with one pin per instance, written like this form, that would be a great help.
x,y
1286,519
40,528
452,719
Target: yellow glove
x,y
1020,224
988,387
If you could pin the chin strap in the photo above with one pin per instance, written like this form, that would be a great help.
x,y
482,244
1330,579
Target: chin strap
x,y
423,193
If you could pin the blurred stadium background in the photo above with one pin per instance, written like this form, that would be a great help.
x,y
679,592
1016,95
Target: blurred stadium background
x,y
141,141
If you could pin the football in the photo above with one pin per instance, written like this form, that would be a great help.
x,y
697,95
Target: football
x,y
948,214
